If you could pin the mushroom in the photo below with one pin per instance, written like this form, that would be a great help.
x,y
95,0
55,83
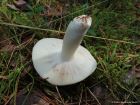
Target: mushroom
x,y
65,62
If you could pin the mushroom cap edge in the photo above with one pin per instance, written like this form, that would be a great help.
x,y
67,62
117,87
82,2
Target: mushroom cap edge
x,y
47,62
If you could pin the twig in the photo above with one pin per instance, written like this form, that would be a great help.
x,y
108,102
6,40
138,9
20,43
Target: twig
x,y
25,43
113,40
60,95
10,58
10,97
129,94
61,32
93,96
29,27
86,101
81,94
130,91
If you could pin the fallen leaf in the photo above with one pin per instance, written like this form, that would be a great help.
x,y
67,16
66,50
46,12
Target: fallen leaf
x,y
53,10
19,5
137,5
13,7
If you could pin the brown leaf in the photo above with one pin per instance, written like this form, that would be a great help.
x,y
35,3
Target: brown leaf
x,y
35,98
53,10
137,5
19,5
20,2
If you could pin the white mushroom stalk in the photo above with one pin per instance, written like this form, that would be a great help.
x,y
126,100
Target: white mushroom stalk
x,y
74,34
65,62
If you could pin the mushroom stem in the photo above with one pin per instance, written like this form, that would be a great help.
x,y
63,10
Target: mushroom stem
x,y
73,36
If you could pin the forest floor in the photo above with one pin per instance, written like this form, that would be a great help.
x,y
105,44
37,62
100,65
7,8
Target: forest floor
x,y
113,39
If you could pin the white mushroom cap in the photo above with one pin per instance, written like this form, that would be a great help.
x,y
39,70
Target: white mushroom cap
x,y
65,62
